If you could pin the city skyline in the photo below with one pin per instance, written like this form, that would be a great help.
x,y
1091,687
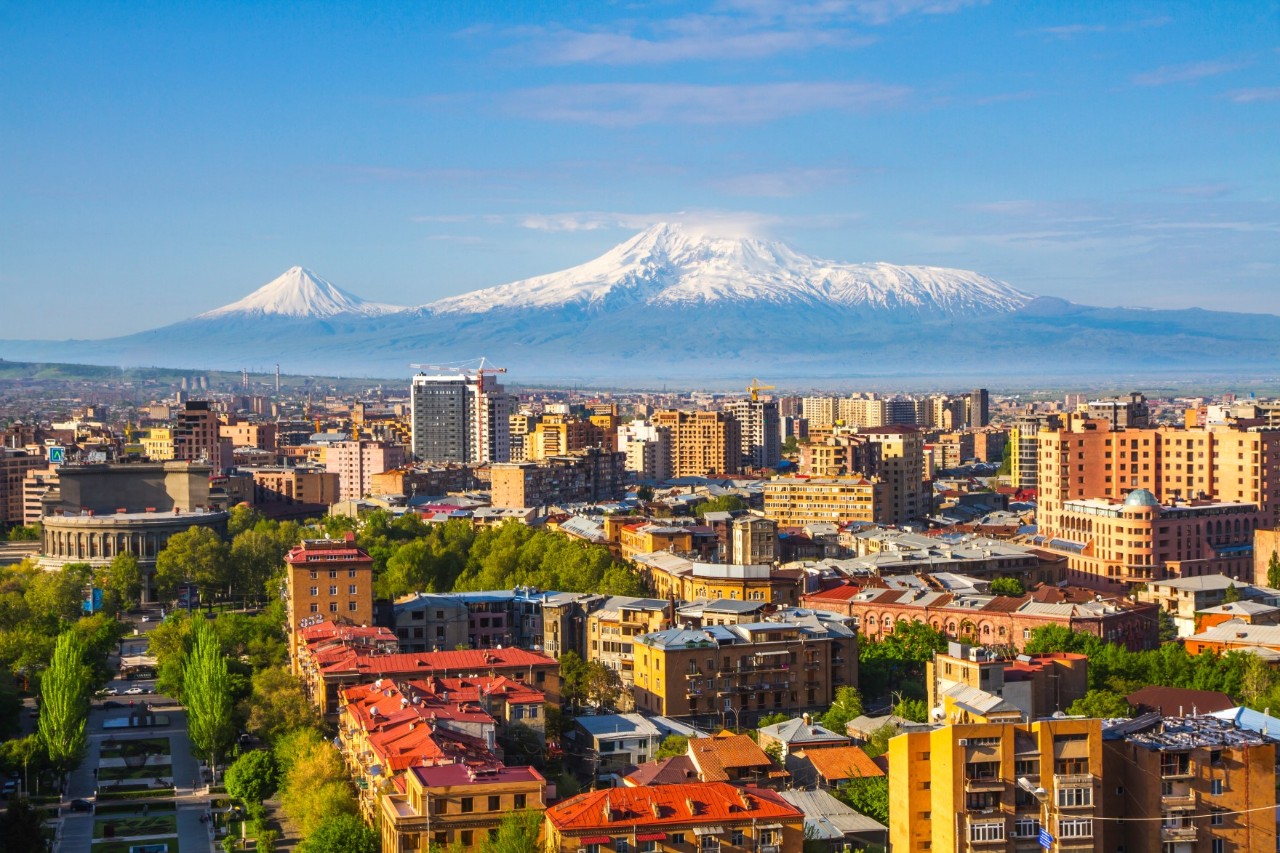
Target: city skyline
x,y
176,159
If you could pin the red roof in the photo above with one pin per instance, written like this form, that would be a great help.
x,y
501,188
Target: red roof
x,y
621,809
458,774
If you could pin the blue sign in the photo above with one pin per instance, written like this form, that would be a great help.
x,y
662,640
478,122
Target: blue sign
x,y
57,455
93,603
1046,840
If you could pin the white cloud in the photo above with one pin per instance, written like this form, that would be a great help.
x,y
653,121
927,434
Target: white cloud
x,y
1188,73
632,104
1249,96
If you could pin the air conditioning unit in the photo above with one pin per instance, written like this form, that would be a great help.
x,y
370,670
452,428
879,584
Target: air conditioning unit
x,y
964,741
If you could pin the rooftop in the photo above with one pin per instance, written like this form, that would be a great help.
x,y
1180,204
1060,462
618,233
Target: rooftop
x,y
620,810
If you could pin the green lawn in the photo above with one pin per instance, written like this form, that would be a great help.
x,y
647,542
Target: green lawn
x,y
152,824
124,846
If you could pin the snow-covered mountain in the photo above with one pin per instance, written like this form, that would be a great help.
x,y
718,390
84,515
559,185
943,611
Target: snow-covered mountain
x,y
670,265
299,293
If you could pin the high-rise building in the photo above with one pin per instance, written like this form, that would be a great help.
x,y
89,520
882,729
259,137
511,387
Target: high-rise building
x,y
460,417
197,434
902,471
647,449
1025,454
760,431
820,411
355,463
702,443
979,407
329,579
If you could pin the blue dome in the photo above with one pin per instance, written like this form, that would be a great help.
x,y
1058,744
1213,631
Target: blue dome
x,y
1141,497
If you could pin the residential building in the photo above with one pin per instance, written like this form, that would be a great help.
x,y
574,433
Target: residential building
x,y
797,501
1025,456
557,435
15,465
836,826
424,480
840,455
456,805
612,628
591,475
753,540
702,443
460,417
736,759
829,767
1038,685
992,620
760,432
733,674
613,744
486,619
1189,784
978,408
671,576
1183,598
647,449
329,579
249,434
712,817
197,435
1120,412
355,463
902,470
956,787
294,485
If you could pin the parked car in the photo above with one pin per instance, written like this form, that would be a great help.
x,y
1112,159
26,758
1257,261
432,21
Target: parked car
x,y
109,691
81,806
134,691
10,788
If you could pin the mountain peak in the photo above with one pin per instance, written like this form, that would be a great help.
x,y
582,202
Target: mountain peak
x,y
672,264
300,293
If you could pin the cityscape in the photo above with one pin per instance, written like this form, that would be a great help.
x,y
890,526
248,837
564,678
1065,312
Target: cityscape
x,y
732,426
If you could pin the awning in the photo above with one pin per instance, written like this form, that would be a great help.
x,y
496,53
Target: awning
x,y
708,830
597,839
651,836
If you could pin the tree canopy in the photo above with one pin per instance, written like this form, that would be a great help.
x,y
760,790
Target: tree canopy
x,y
846,707
340,833
254,776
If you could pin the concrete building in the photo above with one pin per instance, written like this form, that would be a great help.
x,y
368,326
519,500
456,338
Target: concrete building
x,y
590,475
329,579
613,627
456,805
760,432
249,434
480,620
753,540
978,408
1120,412
672,576
15,465
840,455
1184,598
1038,685
956,787
1025,455
276,484
355,463
647,449
797,501
460,417
902,470
702,443
734,674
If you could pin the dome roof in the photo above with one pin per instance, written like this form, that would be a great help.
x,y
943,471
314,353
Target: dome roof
x,y
1141,497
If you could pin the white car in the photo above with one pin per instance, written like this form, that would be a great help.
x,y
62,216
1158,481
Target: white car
x,y
134,691
109,691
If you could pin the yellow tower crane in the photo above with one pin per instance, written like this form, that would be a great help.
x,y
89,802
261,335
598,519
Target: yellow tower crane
x,y
755,388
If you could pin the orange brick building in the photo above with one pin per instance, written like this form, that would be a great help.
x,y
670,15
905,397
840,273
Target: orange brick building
x,y
329,579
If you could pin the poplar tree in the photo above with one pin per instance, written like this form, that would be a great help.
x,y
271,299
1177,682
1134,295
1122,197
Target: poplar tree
x,y
64,702
207,691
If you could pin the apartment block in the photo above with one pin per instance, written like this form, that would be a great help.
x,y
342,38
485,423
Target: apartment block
x,y
355,463
647,449
702,443
673,576
902,470
456,805
15,465
797,501
460,417
590,475
329,579
249,434
1038,685
303,485
613,627
991,784
734,674
760,432
840,455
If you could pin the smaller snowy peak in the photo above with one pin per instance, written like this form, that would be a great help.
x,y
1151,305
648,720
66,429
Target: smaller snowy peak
x,y
300,293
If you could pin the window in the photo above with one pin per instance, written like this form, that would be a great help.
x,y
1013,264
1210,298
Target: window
x,y
333,607
1219,846
315,590
1216,819
736,838
333,573
313,575
1026,827
351,589
333,589
621,845
520,800
351,573
990,831
466,805
351,608
315,608
495,803
677,839
1215,787
707,842
465,836
1076,828
1068,797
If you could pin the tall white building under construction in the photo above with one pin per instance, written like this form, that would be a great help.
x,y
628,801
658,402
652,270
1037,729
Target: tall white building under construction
x,y
460,416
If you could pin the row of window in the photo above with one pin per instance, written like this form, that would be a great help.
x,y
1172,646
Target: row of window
x,y
333,589
333,607
333,573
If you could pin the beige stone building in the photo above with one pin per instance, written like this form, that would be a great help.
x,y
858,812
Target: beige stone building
x,y
701,443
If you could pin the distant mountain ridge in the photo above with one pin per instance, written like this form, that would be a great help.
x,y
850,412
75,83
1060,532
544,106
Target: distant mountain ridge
x,y
674,304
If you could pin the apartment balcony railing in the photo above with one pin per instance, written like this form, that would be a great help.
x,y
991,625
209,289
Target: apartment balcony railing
x,y
1072,780
1178,801
1177,833
984,783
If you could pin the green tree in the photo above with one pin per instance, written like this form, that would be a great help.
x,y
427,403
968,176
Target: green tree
x,y
315,783
671,746
25,533
59,596
773,719
196,556
277,705
1103,704
848,706
517,833
121,582
603,684
1007,586
723,503
255,557
207,694
897,660
878,743
254,776
573,675
916,710
1167,629
22,828
64,703
241,518
1231,594
868,795
791,446
340,833
1006,460
1273,571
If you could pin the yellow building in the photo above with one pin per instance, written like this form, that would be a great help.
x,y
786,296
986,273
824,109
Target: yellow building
x,y
157,444
990,782
612,629
456,804
797,501
672,576
645,537
702,443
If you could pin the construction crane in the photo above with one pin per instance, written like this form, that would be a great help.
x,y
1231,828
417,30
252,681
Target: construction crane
x,y
460,367
755,388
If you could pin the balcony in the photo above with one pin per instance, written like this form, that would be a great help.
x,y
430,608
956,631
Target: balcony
x,y
1177,833
693,673
984,783
1178,801
1072,780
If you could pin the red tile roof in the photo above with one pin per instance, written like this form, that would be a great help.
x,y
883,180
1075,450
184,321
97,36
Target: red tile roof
x,y
716,756
620,810
841,762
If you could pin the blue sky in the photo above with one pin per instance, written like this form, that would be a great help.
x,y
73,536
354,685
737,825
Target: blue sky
x,y
158,160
